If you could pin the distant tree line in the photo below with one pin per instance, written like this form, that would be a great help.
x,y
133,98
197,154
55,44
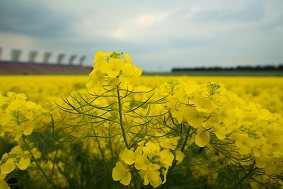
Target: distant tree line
x,y
238,68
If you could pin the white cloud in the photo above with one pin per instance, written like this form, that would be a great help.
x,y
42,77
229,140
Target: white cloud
x,y
151,19
146,20
119,33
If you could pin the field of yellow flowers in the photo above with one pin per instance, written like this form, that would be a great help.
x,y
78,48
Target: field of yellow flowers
x,y
118,129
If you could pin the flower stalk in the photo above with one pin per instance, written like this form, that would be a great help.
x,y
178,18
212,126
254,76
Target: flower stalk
x,y
121,118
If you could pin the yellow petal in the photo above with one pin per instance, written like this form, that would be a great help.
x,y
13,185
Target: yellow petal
x,y
220,132
202,138
97,55
194,117
137,72
128,156
127,179
8,166
128,58
128,70
154,167
152,147
121,173
105,68
203,104
154,178
116,66
166,157
23,163
18,136
2,177
138,151
164,173
144,177
179,156
16,150
28,128
142,163
4,185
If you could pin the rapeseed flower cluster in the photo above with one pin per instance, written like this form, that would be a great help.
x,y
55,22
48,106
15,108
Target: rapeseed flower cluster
x,y
19,119
152,160
19,116
15,158
111,69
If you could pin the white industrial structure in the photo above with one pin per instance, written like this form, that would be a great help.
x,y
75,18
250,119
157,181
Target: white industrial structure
x,y
32,56
17,54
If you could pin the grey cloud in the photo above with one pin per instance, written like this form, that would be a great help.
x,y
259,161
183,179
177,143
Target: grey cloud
x,y
276,23
191,42
34,19
246,15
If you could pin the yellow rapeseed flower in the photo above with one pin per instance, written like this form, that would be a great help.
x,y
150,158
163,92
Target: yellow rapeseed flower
x,y
8,166
166,157
194,117
142,162
113,67
121,173
152,177
244,143
203,104
3,183
100,56
23,163
128,58
128,156
179,156
202,137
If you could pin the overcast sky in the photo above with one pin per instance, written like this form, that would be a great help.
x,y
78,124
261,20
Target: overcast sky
x,y
158,34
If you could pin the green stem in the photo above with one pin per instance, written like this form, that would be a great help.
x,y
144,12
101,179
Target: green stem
x,y
38,166
100,149
121,118
186,138
53,124
175,162
52,170
110,142
244,177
